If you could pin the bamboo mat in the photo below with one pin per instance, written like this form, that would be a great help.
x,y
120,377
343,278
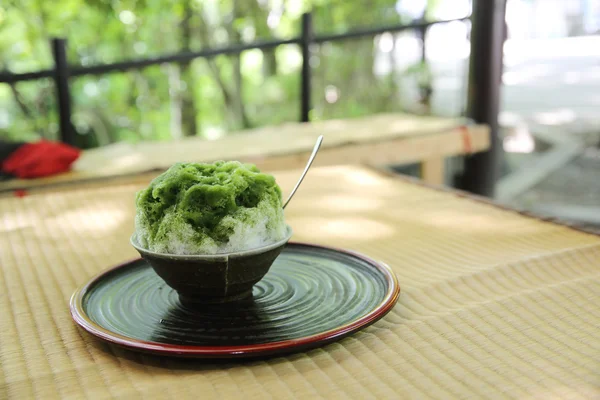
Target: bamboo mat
x,y
493,305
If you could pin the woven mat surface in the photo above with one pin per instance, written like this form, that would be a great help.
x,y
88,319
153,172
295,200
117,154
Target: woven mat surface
x,y
493,304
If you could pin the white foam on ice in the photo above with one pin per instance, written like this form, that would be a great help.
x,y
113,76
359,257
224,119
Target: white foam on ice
x,y
246,236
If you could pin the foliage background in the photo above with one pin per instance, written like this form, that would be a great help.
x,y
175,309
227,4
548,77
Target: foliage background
x,y
206,97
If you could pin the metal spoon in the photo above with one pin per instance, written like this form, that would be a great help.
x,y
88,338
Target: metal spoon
x,y
308,164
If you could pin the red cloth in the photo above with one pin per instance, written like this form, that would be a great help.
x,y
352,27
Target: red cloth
x,y
43,158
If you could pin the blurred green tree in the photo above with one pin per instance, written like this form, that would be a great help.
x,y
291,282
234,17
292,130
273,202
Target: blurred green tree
x,y
207,97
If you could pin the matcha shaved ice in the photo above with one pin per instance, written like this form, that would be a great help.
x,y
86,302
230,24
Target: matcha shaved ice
x,y
198,208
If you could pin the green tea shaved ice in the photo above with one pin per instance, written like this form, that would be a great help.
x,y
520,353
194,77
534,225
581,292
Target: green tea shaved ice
x,y
209,208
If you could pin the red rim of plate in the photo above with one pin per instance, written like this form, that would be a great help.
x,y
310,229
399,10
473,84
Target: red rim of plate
x,y
393,291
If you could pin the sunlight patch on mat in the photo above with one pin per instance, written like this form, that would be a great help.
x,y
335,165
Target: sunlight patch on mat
x,y
352,228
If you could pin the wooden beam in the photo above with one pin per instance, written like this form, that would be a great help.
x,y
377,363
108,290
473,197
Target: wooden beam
x,y
433,171
536,170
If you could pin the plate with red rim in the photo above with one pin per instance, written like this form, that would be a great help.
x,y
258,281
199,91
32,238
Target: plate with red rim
x,y
311,296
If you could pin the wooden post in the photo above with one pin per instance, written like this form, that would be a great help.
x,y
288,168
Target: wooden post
x,y
61,79
305,89
483,98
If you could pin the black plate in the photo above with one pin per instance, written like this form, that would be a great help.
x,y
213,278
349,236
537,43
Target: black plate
x,y
312,295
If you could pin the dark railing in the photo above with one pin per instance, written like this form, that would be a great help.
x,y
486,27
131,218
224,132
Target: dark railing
x,y
486,58
62,71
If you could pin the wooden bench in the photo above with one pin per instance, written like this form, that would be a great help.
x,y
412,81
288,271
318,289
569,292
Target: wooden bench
x,y
382,139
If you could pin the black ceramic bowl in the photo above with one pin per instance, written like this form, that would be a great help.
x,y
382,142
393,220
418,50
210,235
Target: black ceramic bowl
x,y
213,278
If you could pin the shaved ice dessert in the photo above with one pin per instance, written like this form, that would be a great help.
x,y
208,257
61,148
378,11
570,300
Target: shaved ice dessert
x,y
209,208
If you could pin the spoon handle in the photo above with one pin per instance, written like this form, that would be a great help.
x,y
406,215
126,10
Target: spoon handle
x,y
308,164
